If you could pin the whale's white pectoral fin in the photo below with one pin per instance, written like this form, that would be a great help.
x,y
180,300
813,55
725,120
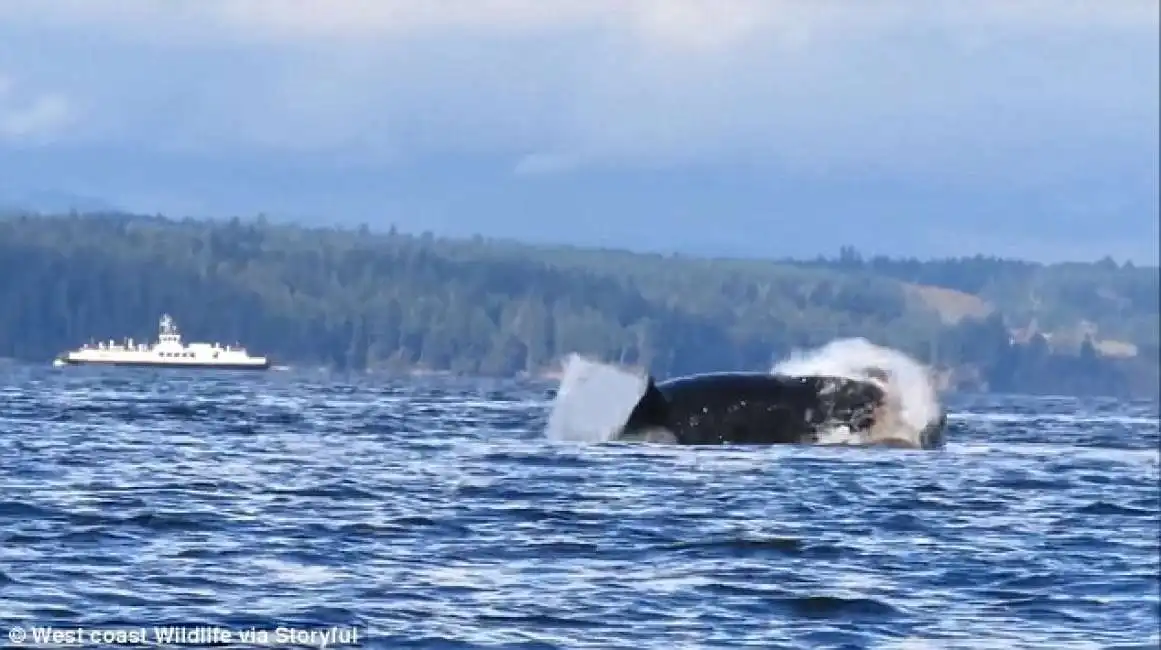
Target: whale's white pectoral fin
x,y
594,400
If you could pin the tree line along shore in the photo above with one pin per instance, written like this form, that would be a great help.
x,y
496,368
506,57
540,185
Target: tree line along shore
x,y
355,299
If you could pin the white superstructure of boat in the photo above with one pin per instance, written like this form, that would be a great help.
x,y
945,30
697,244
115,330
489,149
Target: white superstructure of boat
x,y
167,352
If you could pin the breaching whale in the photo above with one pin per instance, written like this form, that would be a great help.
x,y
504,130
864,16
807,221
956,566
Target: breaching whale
x,y
601,402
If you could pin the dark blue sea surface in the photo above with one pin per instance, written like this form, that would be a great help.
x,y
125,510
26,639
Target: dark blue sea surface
x,y
434,513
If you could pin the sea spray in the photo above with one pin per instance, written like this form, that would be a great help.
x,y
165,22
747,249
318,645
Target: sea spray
x,y
594,400
912,403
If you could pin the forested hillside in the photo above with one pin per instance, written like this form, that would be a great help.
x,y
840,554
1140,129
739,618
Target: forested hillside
x,y
357,299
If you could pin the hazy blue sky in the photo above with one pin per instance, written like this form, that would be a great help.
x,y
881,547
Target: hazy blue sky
x,y
927,127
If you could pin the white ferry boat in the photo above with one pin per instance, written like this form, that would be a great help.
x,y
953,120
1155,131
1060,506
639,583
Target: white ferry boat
x,y
167,352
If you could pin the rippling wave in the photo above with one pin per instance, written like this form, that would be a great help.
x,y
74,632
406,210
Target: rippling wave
x,y
434,513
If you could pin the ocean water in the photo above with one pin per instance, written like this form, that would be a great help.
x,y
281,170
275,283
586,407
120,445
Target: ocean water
x,y
434,513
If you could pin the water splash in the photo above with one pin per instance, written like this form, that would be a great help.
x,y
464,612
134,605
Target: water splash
x,y
912,403
594,400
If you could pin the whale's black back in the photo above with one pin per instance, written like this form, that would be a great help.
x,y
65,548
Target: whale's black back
x,y
753,408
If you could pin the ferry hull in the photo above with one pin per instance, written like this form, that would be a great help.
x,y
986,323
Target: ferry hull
x,y
167,352
177,365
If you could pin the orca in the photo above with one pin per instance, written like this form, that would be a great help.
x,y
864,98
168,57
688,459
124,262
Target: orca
x,y
603,402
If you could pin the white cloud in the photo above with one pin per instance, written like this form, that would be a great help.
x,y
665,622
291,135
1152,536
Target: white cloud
x,y
690,21
556,84
31,118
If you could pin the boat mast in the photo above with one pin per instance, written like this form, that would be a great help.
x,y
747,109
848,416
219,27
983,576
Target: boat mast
x,y
167,330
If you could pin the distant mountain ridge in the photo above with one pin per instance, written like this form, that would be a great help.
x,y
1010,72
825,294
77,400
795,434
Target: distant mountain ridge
x,y
729,209
54,202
